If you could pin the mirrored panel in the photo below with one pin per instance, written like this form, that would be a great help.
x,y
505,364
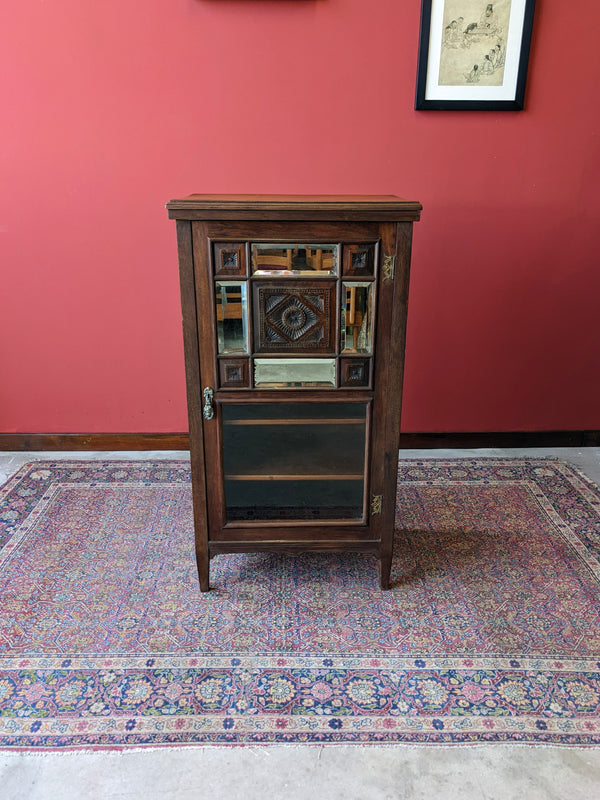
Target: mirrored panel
x,y
282,373
294,461
232,316
312,260
357,317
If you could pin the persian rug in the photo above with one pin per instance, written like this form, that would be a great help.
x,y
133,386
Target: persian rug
x,y
491,632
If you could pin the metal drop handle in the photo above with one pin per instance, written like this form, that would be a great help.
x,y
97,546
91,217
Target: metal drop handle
x,y
208,410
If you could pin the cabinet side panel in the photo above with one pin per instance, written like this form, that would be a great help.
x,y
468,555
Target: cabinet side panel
x,y
194,398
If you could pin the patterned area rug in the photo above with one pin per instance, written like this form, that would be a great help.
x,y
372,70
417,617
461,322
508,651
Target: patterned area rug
x,y
490,633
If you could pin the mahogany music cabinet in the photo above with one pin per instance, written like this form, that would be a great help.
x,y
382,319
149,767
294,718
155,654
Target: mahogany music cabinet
x,y
294,319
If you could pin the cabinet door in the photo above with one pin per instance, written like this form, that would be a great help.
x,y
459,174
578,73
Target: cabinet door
x,y
286,338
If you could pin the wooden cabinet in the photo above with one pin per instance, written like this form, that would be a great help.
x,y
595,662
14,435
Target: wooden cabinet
x,y
294,318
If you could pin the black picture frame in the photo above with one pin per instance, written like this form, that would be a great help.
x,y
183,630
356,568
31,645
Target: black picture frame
x,y
472,91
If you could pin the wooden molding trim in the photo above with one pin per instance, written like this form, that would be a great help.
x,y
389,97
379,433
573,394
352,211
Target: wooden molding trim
x,y
19,442
94,441
484,439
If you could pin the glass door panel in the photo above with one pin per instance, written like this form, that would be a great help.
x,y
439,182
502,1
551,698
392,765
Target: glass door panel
x,y
294,461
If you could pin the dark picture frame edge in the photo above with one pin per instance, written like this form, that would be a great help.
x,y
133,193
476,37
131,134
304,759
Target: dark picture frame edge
x,y
518,104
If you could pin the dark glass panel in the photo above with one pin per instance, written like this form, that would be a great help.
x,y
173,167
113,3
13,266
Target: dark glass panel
x,y
294,461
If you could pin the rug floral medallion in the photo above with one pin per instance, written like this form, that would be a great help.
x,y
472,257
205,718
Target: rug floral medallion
x,y
491,632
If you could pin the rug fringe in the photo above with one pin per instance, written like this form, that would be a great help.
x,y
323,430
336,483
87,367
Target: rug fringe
x,y
209,747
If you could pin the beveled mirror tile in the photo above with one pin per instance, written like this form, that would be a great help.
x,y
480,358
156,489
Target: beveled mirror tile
x,y
311,260
356,322
231,312
294,372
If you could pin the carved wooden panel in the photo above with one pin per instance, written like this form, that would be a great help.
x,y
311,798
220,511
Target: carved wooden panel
x,y
355,372
234,373
294,317
359,259
229,258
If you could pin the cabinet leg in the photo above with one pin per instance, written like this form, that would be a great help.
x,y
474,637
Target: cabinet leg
x,y
202,562
385,568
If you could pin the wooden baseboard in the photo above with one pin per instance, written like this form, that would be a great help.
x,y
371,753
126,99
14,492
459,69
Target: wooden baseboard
x,y
20,442
94,441
484,439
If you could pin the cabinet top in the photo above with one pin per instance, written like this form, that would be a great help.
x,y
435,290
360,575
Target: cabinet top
x,y
294,207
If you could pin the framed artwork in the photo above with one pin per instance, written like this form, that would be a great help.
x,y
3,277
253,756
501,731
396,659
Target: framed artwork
x,y
473,54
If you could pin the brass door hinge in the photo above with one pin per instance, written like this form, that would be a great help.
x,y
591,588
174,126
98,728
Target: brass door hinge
x,y
389,267
376,502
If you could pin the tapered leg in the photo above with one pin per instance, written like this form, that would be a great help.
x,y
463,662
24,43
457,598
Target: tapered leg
x,y
385,568
203,562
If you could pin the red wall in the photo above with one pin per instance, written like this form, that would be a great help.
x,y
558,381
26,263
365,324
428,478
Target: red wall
x,y
113,108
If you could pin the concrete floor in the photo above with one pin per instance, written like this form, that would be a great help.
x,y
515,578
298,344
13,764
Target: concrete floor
x,y
284,772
